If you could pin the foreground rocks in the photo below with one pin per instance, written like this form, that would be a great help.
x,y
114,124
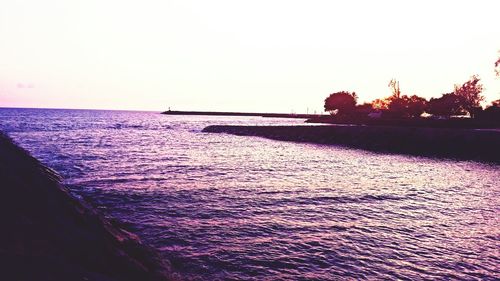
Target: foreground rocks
x,y
47,234
467,144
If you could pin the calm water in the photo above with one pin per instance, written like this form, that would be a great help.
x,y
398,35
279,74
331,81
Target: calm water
x,y
246,208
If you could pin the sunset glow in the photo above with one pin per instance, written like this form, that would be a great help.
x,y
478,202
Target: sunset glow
x,y
274,56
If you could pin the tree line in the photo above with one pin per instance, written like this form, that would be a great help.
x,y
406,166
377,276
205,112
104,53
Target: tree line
x,y
465,99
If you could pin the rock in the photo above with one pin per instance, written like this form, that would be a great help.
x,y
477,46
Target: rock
x,y
48,234
465,144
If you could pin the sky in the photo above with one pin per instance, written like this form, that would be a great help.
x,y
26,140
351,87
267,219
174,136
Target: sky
x,y
229,55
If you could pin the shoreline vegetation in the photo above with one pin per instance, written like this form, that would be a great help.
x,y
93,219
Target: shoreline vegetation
x,y
461,144
48,234
421,122
460,108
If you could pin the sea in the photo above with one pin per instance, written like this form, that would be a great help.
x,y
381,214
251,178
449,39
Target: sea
x,y
226,207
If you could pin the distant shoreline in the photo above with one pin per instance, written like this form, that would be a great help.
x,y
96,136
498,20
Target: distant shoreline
x,y
250,114
462,144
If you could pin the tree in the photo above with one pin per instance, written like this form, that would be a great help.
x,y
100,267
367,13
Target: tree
x,y
406,106
364,109
341,103
470,92
397,106
416,106
396,91
385,103
447,105
402,105
491,113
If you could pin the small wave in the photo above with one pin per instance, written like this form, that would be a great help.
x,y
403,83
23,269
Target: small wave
x,y
119,126
360,199
248,209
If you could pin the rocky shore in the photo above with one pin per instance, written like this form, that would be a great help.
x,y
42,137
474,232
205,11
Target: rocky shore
x,y
48,234
465,144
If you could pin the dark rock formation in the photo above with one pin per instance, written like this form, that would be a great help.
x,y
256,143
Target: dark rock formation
x,y
48,234
468,144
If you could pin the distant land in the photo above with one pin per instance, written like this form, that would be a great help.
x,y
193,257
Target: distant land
x,y
458,123
220,113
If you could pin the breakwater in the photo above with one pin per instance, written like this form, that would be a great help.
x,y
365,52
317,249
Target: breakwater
x,y
247,114
468,144
49,234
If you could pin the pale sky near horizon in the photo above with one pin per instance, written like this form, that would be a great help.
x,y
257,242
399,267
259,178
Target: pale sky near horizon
x,y
272,56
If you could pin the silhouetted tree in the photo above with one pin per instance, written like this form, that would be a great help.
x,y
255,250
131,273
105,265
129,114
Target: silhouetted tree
x,y
402,105
416,106
394,103
341,103
396,91
383,104
470,92
491,113
364,109
406,106
447,105
397,106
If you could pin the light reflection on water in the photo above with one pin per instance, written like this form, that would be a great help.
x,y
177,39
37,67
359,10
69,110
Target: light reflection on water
x,y
232,207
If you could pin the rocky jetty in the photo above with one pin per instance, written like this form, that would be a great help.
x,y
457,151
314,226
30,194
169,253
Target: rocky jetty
x,y
48,234
467,144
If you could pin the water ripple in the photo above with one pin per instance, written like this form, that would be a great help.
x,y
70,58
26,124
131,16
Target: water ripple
x,y
244,208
